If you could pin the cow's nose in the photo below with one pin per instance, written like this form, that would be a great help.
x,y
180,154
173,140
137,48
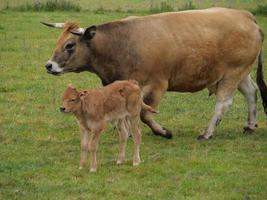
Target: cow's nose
x,y
48,66
62,109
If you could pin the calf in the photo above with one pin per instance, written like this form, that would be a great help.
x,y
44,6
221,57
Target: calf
x,y
121,102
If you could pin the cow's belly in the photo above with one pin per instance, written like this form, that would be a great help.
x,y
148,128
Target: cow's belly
x,y
189,78
187,86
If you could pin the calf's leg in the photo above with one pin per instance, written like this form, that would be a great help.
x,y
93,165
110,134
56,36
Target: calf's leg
x,y
93,144
123,136
84,135
137,140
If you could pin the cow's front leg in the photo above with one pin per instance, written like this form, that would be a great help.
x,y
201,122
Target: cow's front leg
x,y
84,145
152,96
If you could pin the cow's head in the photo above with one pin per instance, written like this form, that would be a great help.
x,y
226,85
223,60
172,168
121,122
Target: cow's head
x,y
72,53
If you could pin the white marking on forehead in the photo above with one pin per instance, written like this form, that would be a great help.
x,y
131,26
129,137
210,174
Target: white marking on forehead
x,y
55,67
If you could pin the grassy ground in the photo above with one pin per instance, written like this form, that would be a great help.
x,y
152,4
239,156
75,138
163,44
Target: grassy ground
x,y
140,5
39,146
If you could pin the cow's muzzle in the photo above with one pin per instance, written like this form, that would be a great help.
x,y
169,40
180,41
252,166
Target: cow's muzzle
x,y
48,66
53,68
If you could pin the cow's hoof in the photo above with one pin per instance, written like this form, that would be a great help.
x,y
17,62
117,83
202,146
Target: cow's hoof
x,y
247,130
203,137
167,134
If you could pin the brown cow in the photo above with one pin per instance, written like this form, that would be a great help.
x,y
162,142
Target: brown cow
x,y
177,51
121,102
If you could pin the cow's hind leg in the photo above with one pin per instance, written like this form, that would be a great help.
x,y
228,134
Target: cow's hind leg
x,y
224,98
249,89
152,96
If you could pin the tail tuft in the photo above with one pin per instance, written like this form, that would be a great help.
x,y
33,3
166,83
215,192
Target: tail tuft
x,y
261,84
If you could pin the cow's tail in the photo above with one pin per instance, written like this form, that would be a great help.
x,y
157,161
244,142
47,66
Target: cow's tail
x,y
260,81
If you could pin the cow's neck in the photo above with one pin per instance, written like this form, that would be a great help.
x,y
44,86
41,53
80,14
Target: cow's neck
x,y
107,68
112,56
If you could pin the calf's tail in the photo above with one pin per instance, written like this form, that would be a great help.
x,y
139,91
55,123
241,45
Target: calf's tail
x,y
148,108
260,81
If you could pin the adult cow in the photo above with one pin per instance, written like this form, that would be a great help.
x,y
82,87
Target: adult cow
x,y
178,51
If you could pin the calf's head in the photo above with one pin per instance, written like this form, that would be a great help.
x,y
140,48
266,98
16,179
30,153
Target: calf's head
x,y
71,101
72,52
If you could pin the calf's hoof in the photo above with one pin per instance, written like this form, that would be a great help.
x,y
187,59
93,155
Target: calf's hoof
x,y
203,137
93,170
119,162
166,133
136,163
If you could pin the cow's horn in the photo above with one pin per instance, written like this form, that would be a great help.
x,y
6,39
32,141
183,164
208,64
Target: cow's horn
x,y
79,31
54,25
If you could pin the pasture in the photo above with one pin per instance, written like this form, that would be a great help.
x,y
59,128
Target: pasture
x,y
39,146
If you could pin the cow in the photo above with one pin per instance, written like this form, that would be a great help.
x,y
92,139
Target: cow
x,y
185,51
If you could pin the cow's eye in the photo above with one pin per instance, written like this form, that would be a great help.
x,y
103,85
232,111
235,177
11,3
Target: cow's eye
x,y
72,100
70,46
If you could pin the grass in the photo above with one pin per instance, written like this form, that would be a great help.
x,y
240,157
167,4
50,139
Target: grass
x,y
260,9
49,5
40,146
142,5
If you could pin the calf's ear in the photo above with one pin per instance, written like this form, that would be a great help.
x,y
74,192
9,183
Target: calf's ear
x,y
71,86
82,93
89,33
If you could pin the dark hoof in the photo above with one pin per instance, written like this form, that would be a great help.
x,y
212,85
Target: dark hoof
x,y
202,137
167,134
247,130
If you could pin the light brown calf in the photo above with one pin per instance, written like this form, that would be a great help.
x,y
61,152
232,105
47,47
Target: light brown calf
x,y
120,101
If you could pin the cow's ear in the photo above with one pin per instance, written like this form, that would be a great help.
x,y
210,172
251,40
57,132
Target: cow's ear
x,y
89,33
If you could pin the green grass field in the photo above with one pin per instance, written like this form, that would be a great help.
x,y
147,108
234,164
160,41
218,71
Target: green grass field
x,y
39,146
141,5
